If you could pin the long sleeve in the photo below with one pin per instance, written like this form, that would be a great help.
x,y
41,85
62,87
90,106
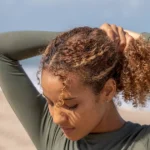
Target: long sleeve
x,y
17,87
146,36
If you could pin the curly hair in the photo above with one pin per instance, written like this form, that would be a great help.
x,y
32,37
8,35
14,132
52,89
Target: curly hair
x,y
89,53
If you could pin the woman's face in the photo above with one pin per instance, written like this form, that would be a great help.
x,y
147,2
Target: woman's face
x,y
82,112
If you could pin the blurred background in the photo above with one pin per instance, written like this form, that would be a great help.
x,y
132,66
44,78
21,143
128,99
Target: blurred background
x,y
61,15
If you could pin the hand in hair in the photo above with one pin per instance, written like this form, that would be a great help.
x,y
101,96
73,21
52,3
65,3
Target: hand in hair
x,y
135,35
119,35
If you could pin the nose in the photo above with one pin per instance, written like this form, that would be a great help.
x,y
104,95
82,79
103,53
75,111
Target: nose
x,y
59,117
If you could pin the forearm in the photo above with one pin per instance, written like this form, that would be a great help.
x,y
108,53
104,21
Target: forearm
x,y
22,96
24,44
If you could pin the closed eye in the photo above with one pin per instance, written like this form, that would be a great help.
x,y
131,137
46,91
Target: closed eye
x,y
65,105
70,107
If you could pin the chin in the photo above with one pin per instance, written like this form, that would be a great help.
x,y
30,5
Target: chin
x,y
73,134
74,137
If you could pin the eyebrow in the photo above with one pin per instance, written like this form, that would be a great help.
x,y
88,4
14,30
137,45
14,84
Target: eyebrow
x,y
66,99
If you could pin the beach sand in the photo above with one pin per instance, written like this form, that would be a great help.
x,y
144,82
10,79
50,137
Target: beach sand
x,y
12,134
14,137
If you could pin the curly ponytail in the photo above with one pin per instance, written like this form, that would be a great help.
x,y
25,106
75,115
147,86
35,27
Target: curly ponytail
x,y
135,75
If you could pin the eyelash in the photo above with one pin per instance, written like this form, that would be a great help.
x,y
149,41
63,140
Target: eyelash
x,y
72,107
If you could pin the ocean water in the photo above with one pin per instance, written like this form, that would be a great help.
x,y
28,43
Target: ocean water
x,y
31,67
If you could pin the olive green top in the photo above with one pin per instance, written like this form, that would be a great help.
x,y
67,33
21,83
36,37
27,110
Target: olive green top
x,y
32,110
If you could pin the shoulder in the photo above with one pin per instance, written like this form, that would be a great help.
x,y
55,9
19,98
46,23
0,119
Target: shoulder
x,y
140,137
145,135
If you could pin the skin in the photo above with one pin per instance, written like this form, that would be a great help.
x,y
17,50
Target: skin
x,y
93,114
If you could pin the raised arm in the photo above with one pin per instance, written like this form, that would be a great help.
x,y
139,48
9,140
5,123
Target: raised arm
x,y
24,44
17,87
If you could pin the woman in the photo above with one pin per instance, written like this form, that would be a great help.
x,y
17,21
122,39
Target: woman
x,y
81,71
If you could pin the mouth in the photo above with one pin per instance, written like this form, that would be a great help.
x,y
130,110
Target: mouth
x,y
67,130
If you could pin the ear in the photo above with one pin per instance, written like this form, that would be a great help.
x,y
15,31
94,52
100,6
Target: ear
x,y
109,90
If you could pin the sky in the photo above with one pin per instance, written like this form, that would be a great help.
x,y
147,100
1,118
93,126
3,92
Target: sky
x,y
62,15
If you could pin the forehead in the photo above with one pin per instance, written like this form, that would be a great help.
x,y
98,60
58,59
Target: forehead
x,y
53,84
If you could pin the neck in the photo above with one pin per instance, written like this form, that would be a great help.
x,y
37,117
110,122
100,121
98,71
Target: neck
x,y
111,120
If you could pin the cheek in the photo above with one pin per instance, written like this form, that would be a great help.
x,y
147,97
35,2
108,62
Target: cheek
x,y
86,114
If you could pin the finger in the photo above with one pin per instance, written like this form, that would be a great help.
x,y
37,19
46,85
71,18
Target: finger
x,y
129,40
115,29
111,34
109,31
122,37
104,26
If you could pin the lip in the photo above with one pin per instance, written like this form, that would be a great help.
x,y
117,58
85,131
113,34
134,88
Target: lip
x,y
67,130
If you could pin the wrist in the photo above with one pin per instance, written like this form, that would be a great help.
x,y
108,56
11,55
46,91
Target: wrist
x,y
135,35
